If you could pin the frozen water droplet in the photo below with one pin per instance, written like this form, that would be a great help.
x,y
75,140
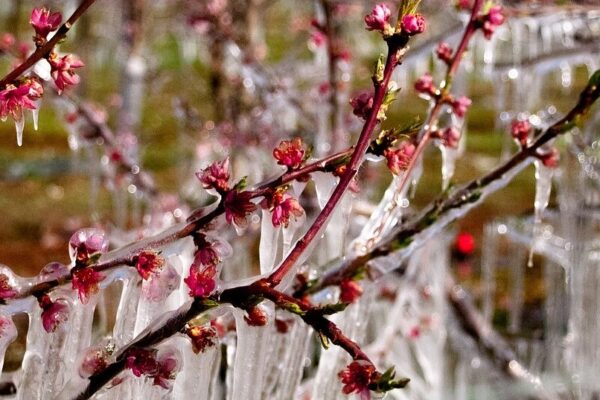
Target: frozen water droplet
x,y
449,156
35,113
269,242
42,69
20,125
543,188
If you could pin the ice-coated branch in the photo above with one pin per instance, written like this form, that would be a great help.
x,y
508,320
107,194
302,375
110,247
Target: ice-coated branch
x,y
442,97
199,218
147,339
243,297
47,47
396,49
441,209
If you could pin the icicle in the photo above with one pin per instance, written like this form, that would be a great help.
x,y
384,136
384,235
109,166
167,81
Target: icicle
x,y
195,381
30,386
449,156
8,333
269,242
388,213
253,344
35,113
543,187
384,264
415,176
292,365
20,125
324,186
127,312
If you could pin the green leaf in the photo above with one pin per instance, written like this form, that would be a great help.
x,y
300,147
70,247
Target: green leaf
x,y
408,7
292,307
379,68
330,309
594,79
242,183
324,340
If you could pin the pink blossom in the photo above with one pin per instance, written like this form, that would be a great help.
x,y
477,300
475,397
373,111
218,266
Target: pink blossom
x,y
284,207
63,71
520,131
54,313
161,284
379,18
451,137
464,4
461,105
44,22
169,364
399,159
13,99
495,15
202,337
493,19
357,377
142,362
318,38
290,153
7,291
414,332
256,316
425,84
350,291
85,281
149,263
444,52
237,207
215,176
95,359
86,244
202,280
551,158
413,24
8,330
362,104
7,41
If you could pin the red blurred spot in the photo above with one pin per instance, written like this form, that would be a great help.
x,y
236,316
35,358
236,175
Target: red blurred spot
x,y
465,243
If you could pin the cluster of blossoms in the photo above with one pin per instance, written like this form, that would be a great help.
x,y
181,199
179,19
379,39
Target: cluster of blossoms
x,y
160,366
290,153
203,272
521,130
450,137
357,377
492,20
362,104
283,206
201,337
54,313
350,291
398,159
85,247
425,86
7,291
379,20
237,204
22,94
